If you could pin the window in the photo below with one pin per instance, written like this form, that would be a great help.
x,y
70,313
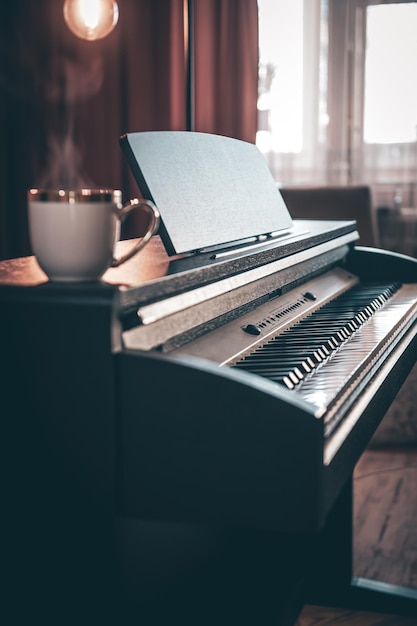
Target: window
x,y
291,108
281,76
337,93
390,108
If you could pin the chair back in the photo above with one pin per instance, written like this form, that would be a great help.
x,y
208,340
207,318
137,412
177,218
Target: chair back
x,y
337,203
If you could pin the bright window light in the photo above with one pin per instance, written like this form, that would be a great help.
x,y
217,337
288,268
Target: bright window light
x,y
390,114
281,75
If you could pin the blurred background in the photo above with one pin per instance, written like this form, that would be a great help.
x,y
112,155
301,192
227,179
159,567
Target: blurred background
x,y
326,89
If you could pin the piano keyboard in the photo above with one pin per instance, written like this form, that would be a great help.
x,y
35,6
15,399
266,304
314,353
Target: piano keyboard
x,y
331,354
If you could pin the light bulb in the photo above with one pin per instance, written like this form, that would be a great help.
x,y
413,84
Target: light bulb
x,y
91,19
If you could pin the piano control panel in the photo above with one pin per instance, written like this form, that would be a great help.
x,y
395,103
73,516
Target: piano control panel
x,y
240,336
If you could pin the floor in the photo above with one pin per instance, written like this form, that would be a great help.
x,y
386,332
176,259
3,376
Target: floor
x,y
385,521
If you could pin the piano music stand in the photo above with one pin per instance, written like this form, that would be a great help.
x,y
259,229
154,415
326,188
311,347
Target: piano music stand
x,y
211,191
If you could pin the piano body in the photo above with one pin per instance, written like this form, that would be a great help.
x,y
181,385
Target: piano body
x,y
181,436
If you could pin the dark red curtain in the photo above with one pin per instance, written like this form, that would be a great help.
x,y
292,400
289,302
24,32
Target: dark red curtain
x,y
65,102
226,67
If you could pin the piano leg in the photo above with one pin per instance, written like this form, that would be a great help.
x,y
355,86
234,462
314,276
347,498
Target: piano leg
x,y
332,582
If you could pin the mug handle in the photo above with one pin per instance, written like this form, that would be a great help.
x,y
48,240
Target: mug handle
x,y
152,228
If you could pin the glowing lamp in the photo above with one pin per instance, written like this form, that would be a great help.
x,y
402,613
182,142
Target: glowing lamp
x,y
91,19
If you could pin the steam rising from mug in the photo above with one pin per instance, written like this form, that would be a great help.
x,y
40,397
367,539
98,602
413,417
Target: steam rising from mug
x,y
91,19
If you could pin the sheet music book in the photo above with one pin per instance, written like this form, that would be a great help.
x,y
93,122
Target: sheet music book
x,y
210,190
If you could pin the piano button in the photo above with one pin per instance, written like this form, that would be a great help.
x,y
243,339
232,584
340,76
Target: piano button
x,y
252,329
309,295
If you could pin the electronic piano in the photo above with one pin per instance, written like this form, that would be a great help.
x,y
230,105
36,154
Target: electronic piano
x,y
189,425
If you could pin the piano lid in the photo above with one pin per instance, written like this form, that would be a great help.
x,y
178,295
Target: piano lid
x,y
210,190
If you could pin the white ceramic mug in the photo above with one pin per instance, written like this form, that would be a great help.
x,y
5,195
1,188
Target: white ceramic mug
x,y
73,232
